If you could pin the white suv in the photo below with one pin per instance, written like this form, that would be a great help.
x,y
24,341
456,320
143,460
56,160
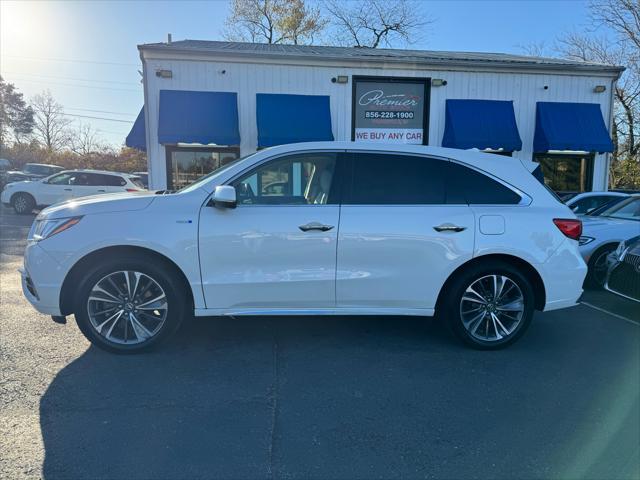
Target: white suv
x,y
66,185
395,230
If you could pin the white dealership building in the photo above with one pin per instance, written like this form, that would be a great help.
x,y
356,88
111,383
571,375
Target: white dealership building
x,y
208,102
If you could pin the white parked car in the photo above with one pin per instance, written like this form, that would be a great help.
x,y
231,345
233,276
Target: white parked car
x,y
66,185
587,202
352,229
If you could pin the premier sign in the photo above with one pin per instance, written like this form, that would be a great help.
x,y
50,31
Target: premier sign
x,y
389,110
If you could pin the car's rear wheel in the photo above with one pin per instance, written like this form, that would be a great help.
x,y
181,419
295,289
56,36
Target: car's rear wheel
x,y
23,203
129,306
490,306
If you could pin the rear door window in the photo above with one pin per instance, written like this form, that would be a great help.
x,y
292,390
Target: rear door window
x,y
393,179
468,186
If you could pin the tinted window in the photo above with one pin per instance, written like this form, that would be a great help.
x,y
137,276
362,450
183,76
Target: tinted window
x,y
305,179
62,179
465,185
588,204
99,179
387,179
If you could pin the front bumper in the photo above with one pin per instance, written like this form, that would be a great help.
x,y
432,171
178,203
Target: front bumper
x,y
42,279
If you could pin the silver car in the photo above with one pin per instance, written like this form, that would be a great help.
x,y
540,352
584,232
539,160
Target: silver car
x,y
601,235
623,274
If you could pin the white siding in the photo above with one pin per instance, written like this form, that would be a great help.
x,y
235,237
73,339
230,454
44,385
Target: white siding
x,y
247,79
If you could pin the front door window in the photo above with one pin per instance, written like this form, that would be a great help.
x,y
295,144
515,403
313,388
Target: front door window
x,y
186,165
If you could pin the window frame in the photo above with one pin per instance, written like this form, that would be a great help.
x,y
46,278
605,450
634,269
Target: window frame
x,y
337,182
589,156
170,149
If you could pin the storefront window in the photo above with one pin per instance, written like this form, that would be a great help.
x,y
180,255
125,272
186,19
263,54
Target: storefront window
x,y
186,165
565,173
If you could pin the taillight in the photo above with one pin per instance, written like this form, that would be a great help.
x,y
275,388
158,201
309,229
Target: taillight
x,y
133,189
570,227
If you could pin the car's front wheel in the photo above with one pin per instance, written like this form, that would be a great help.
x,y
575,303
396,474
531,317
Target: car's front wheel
x,y
129,305
490,306
23,203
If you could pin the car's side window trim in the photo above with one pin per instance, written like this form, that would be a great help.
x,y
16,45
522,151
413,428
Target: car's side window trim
x,y
338,173
525,199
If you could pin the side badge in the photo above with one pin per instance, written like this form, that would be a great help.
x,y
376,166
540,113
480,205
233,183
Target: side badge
x,y
184,221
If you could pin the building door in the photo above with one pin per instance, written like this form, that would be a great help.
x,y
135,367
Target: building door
x,y
186,164
277,249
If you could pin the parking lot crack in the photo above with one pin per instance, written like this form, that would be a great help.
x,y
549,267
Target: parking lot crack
x,y
273,399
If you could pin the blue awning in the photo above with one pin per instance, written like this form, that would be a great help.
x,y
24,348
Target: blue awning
x,y
137,137
292,118
198,117
570,126
482,124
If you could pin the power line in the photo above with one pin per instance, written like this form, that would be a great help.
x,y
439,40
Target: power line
x,y
40,59
80,86
98,118
101,111
69,78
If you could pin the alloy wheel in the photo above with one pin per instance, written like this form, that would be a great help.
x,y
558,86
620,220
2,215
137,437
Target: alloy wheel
x,y
492,307
20,204
127,307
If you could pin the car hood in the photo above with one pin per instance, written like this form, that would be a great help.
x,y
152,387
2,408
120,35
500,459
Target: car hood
x,y
105,203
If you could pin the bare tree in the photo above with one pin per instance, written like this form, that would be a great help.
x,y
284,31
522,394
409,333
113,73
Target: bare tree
x,y
375,23
84,140
51,126
622,16
273,21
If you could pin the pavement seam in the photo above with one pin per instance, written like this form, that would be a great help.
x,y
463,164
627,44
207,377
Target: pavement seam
x,y
274,404
620,317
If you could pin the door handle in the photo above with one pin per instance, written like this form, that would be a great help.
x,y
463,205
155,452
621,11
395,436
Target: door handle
x,y
67,189
315,226
449,227
102,190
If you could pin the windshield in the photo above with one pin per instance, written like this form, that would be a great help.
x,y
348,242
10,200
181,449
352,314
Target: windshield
x,y
204,179
629,210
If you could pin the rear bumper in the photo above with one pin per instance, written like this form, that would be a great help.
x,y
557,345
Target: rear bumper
x,y
43,289
563,275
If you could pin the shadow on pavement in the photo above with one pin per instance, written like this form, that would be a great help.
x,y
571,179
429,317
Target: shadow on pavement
x,y
336,397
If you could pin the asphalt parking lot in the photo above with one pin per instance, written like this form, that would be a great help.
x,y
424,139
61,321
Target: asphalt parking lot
x,y
319,397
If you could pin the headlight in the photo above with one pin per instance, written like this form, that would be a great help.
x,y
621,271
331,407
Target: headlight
x,y
48,228
585,240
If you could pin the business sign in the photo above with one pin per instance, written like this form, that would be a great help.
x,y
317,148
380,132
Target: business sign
x,y
389,110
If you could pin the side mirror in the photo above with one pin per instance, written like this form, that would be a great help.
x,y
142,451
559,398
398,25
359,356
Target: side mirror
x,y
224,196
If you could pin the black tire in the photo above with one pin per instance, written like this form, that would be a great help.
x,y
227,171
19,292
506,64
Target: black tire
x,y
597,271
164,274
451,304
23,203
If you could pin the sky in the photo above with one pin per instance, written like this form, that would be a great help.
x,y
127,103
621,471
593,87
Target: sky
x,y
85,52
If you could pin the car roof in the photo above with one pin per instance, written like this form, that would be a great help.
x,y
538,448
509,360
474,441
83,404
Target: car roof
x,y
499,165
89,170
43,165
594,194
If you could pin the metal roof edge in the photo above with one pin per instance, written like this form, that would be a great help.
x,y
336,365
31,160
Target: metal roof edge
x,y
244,55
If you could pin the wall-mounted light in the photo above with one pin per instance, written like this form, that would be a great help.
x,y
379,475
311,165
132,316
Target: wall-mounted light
x,y
438,82
340,79
164,73
600,88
